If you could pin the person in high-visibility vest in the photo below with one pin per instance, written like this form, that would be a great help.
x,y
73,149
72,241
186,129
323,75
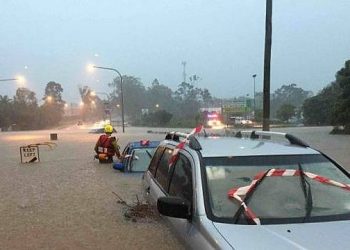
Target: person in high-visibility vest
x,y
107,146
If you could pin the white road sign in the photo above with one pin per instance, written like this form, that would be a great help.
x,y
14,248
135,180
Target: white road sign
x,y
29,154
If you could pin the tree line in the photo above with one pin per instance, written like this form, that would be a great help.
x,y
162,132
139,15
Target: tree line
x,y
159,105
331,106
286,104
22,111
180,108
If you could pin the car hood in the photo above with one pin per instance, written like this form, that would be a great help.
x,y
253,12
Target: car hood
x,y
321,235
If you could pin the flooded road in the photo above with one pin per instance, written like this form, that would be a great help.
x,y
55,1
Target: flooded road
x,y
335,146
66,200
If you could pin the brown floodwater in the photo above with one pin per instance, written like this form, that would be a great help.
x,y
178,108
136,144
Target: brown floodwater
x,y
66,200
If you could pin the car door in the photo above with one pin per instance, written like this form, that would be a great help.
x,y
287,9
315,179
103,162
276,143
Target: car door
x,y
174,181
150,185
180,178
180,184
159,181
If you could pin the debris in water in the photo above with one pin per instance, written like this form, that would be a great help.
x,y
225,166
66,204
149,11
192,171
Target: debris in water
x,y
140,211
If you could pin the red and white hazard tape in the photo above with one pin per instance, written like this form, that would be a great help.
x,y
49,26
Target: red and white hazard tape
x,y
196,130
248,212
243,191
182,144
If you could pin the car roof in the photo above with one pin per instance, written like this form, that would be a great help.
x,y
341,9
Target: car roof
x,y
138,144
231,146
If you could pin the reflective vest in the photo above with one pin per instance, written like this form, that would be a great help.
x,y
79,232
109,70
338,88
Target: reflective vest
x,y
105,146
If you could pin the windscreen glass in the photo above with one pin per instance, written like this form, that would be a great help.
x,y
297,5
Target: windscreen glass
x,y
276,197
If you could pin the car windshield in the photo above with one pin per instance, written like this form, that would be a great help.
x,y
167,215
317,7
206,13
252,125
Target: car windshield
x,y
276,199
141,158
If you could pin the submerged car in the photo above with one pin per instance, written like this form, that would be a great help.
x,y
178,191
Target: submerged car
x,y
250,192
137,156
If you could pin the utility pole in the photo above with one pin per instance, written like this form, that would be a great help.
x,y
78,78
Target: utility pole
x,y
184,71
267,64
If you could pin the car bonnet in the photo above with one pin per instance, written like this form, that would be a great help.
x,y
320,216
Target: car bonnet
x,y
321,235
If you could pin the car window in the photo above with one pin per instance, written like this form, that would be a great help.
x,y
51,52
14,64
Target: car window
x,y
181,180
126,150
141,158
155,159
163,168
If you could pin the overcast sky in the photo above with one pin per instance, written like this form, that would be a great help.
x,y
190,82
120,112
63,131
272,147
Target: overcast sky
x,y
222,41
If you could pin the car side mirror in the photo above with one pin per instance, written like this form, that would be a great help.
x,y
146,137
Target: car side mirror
x,y
174,207
119,166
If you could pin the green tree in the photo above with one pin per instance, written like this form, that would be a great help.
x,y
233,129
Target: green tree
x,y
285,112
6,108
51,112
288,94
25,109
187,91
319,109
341,114
332,104
187,98
206,97
53,93
161,95
134,93
183,104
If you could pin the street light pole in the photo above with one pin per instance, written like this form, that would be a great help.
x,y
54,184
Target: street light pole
x,y
254,93
9,79
20,80
121,91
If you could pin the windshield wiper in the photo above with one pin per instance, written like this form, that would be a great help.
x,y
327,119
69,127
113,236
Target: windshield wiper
x,y
307,193
246,198
149,154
